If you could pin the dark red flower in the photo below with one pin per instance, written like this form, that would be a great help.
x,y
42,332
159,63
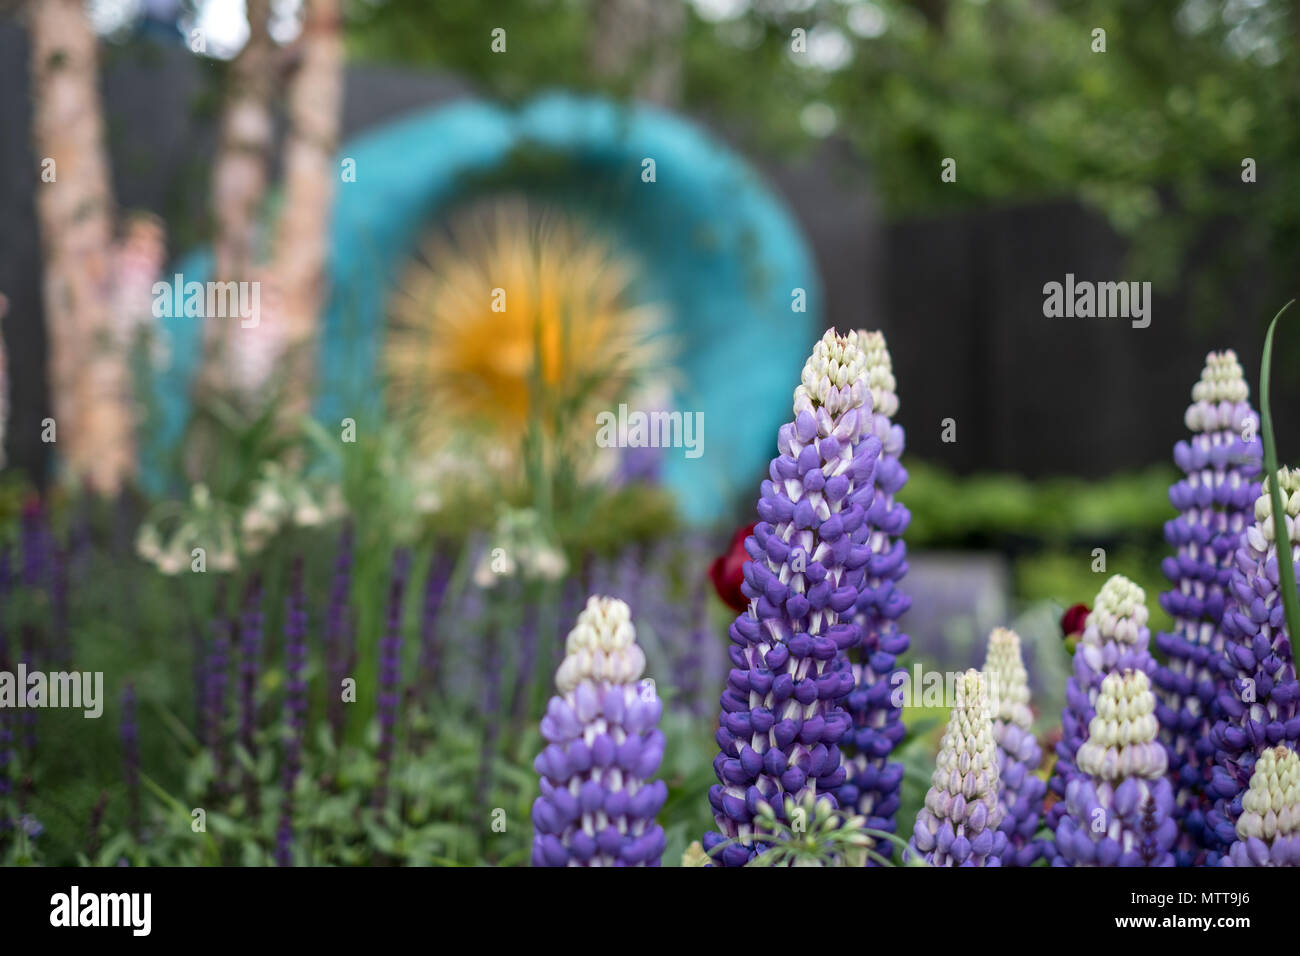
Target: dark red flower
x,y
1074,620
728,570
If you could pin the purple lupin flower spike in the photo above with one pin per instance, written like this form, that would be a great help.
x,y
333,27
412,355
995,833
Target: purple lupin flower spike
x,y
1268,830
250,650
1259,706
1119,802
959,825
782,709
390,673
1115,639
436,581
874,783
1021,790
603,744
1215,502
339,633
295,706
130,731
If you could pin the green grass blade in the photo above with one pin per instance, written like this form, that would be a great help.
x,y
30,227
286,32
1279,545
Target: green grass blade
x,y
1286,574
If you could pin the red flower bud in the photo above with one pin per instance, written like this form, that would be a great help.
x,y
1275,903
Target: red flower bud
x,y
728,570
1074,620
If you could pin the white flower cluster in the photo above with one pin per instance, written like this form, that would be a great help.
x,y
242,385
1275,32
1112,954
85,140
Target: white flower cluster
x,y
834,376
520,546
1271,806
1217,397
1260,535
1122,736
880,373
1007,679
1120,613
602,647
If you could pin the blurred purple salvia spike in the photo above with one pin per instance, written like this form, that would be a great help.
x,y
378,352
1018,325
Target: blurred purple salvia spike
x,y
250,651
390,673
959,825
223,630
295,705
1115,639
874,782
339,633
1119,803
436,580
1259,706
603,744
782,713
1021,790
1268,830
130,733
1215,498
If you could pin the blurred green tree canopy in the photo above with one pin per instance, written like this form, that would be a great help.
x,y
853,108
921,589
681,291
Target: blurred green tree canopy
x,y
1153,132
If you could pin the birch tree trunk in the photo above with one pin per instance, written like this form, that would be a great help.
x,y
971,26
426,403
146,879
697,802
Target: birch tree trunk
x,y
315,103
239,179
89,378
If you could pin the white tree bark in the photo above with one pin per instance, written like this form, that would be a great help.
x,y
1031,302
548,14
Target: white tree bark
x,y
315,104
89,378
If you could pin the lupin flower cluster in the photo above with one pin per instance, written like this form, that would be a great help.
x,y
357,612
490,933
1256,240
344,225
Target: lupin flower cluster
x,y
1115,639
603,744
1260,705
1268,830
873,784
1021,790
1221,468
959,825
782,713
1119,803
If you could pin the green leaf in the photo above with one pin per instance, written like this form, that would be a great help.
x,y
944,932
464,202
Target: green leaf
x,y
1286,573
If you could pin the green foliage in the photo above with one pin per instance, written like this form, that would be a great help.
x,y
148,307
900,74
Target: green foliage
x,y
950,510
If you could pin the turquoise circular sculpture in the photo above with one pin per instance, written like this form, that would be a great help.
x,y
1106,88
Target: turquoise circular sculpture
x,y
716,248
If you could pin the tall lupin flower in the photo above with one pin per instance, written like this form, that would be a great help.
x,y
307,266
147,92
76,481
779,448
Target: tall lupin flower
x,y
1119,803
1260,706
598,805
782,709
1214,501
873,785
1021,790
1268,830
959,825
1114,640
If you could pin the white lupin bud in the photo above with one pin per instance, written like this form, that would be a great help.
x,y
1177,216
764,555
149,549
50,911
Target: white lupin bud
x,y
880,373
1270,807
1008,681
968,756
1122,736
1221,387
1120,611
1261,535
601,647
834,376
